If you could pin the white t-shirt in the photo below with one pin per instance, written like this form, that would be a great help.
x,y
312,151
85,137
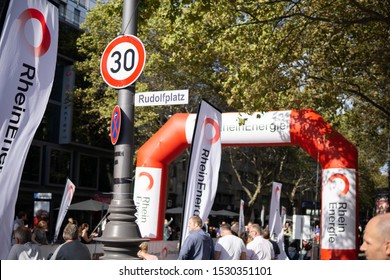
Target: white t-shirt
x,y
27,251
230,247
259,249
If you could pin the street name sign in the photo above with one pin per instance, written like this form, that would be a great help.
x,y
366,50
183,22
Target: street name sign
x,y
158,98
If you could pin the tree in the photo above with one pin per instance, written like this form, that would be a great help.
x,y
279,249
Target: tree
x,y
327,55
256,168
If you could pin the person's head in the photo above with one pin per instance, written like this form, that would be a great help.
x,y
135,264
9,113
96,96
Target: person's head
x,y
266,234
84,226
70,232
22,235
225,230
42,225
22,215
38,214
255,230
195,223
72,221
235,229
376,239
45,215
144,246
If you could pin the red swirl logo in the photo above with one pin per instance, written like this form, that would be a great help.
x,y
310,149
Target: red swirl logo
x,y
44,45
216,128
344,179
70,192
151,181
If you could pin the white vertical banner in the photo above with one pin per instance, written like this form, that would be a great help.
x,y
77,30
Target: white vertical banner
x,y
284,215
146,196
274,213
338,215
203,170
262,214
241,220
301,227
275,222
28,52
70,188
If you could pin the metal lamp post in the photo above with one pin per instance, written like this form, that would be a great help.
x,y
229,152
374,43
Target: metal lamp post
x,y
121,236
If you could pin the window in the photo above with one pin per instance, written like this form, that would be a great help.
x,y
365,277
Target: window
x,y
58,84
62,10
60,166
83,3
32,167
76,16
48,129
88,171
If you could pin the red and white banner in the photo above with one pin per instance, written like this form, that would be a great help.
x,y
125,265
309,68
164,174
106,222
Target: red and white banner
x,y
274,212
275,222
338,220
203,170
146,200
259,127
70,188
28,52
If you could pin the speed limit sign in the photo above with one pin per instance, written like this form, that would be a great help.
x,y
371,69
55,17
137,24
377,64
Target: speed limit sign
x,y
122,61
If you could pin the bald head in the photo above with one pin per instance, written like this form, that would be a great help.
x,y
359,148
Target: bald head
x,y
383,225
376,239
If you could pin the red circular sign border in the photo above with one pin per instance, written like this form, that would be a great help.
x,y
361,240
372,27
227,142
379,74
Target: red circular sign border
x,y
136,42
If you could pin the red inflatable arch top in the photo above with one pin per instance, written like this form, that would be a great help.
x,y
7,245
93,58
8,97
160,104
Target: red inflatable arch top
x,y
304,128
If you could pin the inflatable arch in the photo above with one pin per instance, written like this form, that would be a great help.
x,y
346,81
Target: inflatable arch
x,y
304,128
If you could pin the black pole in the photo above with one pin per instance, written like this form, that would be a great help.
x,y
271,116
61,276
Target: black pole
x,y
3,13
121,236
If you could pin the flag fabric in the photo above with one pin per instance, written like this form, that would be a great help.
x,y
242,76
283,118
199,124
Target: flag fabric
x,y
203,169
241,221
275,222
262,215
284,215
70,188
146,196
28,52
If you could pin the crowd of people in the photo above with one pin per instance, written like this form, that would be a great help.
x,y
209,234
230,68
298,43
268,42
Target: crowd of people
x,y
254,243
26,242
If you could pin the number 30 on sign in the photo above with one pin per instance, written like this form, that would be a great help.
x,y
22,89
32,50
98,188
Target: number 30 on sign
x,y
122,61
